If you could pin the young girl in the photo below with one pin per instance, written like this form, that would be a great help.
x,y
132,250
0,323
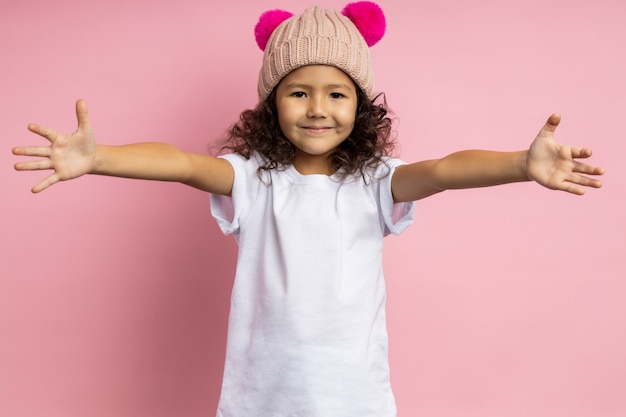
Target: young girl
x,y
309,191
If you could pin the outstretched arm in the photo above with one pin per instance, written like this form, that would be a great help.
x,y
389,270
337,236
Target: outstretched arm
x,y
71,156
547,162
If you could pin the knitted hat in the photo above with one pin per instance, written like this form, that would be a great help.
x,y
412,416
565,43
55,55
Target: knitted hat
x,y
322,37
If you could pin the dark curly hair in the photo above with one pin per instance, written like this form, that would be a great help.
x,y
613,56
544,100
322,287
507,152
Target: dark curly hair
x,y
370,140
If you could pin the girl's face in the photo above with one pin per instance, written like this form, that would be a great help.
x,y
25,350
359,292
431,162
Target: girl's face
x,y
316,107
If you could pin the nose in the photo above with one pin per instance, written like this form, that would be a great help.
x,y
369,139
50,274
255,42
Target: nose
x,y
317,107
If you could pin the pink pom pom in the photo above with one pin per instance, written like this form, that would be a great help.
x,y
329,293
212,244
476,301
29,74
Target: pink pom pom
x,y
368,18
266,25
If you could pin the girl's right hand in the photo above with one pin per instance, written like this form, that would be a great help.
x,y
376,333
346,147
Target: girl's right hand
x,y
69,156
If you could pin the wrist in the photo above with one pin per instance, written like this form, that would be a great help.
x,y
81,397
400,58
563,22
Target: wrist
x,y
98,165
522,166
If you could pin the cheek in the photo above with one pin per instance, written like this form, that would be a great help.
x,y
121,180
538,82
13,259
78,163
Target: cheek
x,y
347,117
283,118
284,128
288,114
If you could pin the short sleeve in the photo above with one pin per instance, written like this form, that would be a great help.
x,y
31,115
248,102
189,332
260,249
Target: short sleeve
x,y
396,217
229,210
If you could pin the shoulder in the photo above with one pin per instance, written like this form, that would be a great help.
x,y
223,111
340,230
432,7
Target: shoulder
x,y
385,168
252,170
240,162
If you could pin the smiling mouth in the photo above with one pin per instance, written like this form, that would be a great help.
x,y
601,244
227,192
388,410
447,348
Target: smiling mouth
x,y
315,130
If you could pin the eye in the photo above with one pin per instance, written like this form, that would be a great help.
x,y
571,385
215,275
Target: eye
x,y
298,94
336,95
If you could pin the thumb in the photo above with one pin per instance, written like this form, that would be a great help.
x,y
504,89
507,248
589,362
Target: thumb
x,y
552,123
82,115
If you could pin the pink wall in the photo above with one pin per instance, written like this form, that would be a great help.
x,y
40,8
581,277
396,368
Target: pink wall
x,y
502,302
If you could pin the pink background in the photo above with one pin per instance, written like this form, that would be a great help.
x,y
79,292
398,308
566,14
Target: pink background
x,y
502,302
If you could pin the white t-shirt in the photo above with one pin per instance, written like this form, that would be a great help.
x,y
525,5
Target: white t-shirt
x,y
307,332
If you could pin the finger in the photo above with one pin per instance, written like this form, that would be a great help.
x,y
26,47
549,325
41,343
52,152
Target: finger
x,y
33,165
42,151
585,181
588,169
578,152
43,131
47,182
572,188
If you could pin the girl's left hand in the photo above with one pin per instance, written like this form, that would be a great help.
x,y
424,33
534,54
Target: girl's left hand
x,y
555,166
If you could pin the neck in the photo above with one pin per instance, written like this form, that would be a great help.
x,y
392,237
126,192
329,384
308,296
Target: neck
x,y
314,165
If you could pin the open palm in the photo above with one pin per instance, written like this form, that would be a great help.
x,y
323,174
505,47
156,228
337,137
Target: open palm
x,y
69,156
556,166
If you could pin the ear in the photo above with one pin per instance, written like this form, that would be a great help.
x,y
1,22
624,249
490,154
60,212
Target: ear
x,y
266,25
368,18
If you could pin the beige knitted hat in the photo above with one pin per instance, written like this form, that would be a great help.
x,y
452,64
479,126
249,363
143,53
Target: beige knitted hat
x,y
322,37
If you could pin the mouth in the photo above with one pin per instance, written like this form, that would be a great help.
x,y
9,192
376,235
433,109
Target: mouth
x,y
316,130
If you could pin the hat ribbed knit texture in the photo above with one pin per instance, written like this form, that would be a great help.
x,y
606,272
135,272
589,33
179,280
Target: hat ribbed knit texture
x,y
317,37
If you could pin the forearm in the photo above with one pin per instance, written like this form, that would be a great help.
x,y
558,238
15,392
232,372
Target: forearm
x,y
150,160
465,169
163,162
476,168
